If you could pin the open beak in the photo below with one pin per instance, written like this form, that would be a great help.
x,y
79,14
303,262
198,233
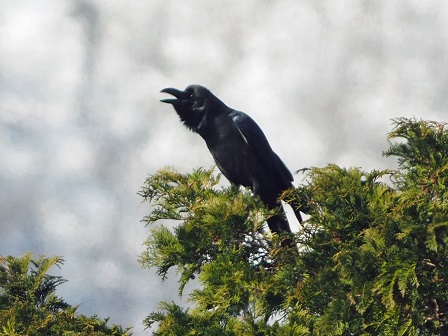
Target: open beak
x,y
174,92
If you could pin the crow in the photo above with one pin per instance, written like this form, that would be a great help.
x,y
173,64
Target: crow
x,y
238,146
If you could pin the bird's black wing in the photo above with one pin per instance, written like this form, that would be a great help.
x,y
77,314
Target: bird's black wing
x,y
254,137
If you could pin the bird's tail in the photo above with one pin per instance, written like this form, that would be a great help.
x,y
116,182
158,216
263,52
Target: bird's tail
x,y
279,224
296,210
296,207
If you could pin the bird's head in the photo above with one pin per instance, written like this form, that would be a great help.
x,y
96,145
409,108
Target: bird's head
x,y
192,105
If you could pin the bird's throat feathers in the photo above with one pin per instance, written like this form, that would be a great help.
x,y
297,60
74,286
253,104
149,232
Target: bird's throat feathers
x,y
194,120
197,117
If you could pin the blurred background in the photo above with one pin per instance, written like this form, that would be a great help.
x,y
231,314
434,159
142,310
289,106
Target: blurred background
x,y
81,125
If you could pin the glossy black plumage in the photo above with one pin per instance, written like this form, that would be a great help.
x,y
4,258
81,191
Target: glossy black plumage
x,y
238,146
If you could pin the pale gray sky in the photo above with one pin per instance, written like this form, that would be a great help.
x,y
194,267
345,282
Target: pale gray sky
x,y
81,125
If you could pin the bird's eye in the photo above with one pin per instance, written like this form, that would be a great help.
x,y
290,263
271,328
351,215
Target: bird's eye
x,y
190,94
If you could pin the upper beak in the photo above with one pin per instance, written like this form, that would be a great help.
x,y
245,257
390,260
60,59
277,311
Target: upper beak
x,y
176,93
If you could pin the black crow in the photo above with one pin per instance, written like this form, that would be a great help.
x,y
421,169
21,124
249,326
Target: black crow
x,y
238,145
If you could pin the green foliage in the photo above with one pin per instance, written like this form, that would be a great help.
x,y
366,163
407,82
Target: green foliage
x,y
214,222
30,306
371,258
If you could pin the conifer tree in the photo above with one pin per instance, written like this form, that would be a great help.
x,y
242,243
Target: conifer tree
x,y
370,260
29,304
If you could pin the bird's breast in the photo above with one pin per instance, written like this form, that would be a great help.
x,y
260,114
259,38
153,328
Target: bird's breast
x,y
232,156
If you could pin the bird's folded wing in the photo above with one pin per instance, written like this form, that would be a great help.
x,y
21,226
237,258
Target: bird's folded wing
x,y
254,137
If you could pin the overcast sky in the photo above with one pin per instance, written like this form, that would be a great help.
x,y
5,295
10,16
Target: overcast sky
x,y
81,125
